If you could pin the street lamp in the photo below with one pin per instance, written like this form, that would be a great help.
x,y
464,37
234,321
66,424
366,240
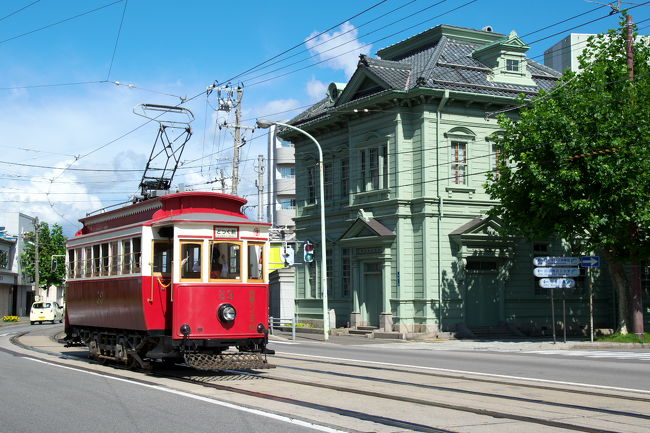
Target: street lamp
x,y
261,123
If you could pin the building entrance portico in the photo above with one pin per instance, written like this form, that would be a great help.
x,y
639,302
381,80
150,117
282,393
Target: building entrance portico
x,y
370,244
372,293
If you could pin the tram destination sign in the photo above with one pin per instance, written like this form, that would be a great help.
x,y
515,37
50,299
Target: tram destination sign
x,y
557,283
556,261
556,272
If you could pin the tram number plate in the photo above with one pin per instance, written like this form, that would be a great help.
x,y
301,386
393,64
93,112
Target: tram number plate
x,y
225,295
226,232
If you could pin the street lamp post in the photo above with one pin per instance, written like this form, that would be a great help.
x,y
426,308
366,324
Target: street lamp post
x,y
323,274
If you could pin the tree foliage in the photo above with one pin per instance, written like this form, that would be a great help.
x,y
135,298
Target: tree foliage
x,y
576,162
51,243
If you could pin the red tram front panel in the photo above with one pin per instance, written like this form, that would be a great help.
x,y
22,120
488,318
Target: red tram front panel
x,y
197,305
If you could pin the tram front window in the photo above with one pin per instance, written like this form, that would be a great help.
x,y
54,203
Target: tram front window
x,y
255,262
191,262
225,261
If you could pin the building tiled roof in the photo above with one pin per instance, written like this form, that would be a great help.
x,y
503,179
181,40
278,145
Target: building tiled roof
x,y
447,64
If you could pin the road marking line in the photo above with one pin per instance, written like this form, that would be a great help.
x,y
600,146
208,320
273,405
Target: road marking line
x,y
501,376
200,398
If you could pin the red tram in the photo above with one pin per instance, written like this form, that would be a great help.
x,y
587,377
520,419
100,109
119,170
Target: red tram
x,y
181,277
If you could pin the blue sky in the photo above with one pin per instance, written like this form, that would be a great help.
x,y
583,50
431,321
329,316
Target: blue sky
x,y
168,50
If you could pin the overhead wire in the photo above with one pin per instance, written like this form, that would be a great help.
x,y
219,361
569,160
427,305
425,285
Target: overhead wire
x,y
19,10
235,77
117,39
60,22
339,36
365,45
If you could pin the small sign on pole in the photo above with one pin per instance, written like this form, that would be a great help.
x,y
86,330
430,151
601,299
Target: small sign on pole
x,y
557,283
590,261
556,272
555,261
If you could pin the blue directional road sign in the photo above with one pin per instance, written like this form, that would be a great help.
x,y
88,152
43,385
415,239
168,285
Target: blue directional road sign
x,y
555,261
557,283
590,261
556,272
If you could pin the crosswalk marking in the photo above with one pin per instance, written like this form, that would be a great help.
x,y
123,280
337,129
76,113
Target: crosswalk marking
x,y
642,356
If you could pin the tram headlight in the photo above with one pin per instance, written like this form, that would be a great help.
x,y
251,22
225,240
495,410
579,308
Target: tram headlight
x,y
227,313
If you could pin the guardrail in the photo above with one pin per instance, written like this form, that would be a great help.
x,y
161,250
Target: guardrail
x,y
275,322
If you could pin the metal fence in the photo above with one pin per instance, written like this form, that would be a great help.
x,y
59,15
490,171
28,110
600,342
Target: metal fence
x,y
275,322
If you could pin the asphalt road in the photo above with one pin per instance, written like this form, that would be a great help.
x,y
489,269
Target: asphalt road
x,y
40,396
571,366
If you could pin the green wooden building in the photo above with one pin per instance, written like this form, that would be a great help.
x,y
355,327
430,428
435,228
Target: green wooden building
x,y
407,146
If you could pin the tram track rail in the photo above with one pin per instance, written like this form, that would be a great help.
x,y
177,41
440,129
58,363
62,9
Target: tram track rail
x,y
494,380
320,378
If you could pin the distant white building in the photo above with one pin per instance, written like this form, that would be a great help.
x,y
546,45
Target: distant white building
x,y
281,196
16,292
564,54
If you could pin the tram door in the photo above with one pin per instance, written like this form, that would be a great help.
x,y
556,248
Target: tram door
x,y
162,277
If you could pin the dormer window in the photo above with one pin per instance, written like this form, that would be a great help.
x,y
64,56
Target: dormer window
x,y
512,65
507,60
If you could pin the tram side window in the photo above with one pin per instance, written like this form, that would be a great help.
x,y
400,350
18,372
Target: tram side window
x,y
114,255
78,262
191,261
225,261
71,264
104,253
137,254
255,261
126,256
88,257
96,261
162,257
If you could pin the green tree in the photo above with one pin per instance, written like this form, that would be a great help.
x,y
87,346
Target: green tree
x,y
51,242
576,162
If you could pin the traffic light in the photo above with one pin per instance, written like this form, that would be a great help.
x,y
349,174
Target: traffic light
x,y
309,252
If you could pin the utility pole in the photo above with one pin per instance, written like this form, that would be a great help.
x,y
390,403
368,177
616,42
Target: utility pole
x,y
238,142
225,98
630,48
36,256
636,301
222,179
260,186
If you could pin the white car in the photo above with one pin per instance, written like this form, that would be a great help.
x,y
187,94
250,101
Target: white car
x,y
46,311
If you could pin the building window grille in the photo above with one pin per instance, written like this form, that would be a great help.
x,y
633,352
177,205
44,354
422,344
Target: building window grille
x,y
374,168
4,259
311,268
287,203
285,143
345,178
475,265
287,172
512,65
458,163
311,185
495,161
330,273
327,174
346,268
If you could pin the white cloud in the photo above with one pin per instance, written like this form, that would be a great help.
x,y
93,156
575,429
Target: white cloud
x,y
339,49
316,89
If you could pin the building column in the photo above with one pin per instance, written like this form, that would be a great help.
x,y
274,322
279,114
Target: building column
x,y
355,316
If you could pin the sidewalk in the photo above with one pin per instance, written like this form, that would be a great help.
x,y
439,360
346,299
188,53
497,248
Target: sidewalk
x,y
452,344
23,320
